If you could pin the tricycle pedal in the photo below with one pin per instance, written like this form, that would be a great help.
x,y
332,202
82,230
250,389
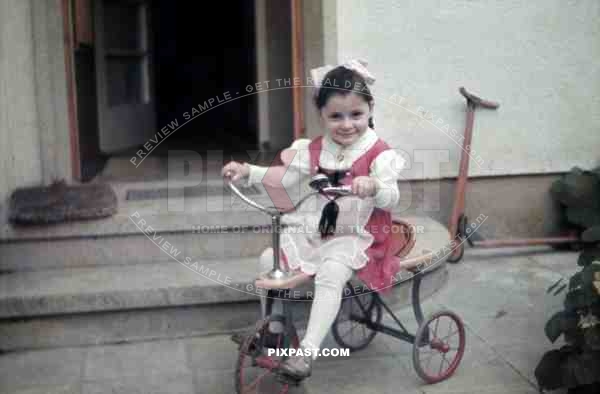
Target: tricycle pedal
x,y
288,379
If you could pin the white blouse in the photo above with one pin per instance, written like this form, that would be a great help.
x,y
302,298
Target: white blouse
x,y
385,168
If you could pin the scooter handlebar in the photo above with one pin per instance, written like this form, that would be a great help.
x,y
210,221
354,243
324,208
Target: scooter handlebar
x,y
478,101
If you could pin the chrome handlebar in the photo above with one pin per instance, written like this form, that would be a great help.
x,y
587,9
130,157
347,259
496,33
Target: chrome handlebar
x,y
246,199
274,211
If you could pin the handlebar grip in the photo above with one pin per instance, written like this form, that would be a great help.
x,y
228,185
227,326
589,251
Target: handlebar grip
x,y
340,190
478,101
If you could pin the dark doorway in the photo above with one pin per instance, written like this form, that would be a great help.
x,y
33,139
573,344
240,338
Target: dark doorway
x,y
201,51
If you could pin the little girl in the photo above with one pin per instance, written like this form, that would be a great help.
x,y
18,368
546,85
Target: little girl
x,y
350,153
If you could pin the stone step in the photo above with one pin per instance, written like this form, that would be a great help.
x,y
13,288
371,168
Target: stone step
x,y
205,228
132,220
168,322
114,327
122,301
109,288
180,214
157,239
129,249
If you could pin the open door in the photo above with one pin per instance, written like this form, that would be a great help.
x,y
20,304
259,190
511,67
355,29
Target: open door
x,y
126,112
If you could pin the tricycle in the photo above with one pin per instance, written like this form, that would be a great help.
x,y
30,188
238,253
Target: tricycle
x,y
438,344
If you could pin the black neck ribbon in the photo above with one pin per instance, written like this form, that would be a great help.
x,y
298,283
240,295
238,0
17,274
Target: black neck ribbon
x,y
329,215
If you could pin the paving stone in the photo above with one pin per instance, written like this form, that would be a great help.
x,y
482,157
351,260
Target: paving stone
x,y
564,263
402,350
508,389
156,384
494,376
141,359
477,354
365,387
215,383
211,353
384,374
501,299
42,367
223,382
515,286
524,357
376,348
46,389
508,328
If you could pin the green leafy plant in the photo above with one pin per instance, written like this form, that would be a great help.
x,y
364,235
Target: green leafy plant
x,y
576,365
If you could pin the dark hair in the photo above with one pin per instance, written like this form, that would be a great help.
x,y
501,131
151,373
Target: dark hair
x,y
343,81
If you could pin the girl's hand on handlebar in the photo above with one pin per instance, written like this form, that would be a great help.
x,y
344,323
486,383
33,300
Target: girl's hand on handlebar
x,y
364,186
285,283
235,171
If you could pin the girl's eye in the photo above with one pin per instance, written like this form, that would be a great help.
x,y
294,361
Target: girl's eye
x,y
335,116
356,114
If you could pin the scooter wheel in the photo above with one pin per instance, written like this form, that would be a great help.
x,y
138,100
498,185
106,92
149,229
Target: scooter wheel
x,y
461,236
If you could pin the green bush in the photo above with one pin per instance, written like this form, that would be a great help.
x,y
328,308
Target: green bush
x,y
576,365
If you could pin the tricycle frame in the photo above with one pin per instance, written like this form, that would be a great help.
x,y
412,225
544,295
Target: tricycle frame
x,y
402,334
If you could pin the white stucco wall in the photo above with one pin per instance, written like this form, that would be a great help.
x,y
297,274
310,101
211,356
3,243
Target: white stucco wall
x,y
51,90
34,130
20,162
539,59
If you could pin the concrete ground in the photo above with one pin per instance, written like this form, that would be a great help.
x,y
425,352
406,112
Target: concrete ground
x,y
500,295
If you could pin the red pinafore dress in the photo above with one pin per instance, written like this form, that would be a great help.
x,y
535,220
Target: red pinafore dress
x,y
364,239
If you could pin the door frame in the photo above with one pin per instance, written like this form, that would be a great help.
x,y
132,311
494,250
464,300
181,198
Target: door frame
x,y
69,49
264,72
298,68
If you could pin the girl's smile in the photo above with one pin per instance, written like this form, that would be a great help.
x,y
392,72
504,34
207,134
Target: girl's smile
x,y
346,117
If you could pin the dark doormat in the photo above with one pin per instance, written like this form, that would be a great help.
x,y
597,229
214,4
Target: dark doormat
x,y
199,191
60,202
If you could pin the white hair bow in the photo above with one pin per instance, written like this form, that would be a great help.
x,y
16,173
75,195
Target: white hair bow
x,y
357,65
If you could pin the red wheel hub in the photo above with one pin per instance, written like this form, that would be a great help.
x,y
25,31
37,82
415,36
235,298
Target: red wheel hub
x,y
266,362
439,345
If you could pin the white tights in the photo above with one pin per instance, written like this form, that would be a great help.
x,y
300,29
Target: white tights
x,y
329,284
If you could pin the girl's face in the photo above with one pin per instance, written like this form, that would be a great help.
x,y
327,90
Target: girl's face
x,y
346,117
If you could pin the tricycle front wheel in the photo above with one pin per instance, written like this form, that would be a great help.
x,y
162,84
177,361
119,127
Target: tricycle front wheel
x,y
439,346
256,369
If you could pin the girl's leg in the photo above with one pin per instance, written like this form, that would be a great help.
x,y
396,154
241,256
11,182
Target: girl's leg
x,y
266,264
329,284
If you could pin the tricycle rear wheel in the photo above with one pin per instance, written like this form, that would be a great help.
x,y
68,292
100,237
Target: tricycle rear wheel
x,y
349,329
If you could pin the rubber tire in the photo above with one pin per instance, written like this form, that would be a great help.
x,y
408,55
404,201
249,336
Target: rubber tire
x,y
458,258
290,335
461,231
375,312
419,337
